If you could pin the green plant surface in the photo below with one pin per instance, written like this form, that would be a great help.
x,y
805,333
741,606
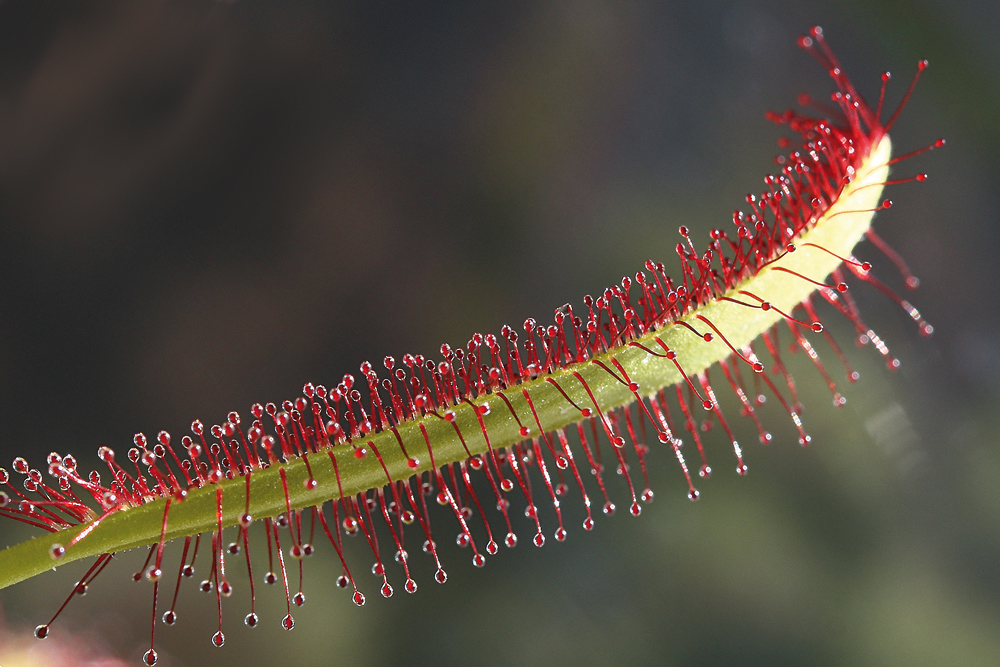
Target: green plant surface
x,y
838,230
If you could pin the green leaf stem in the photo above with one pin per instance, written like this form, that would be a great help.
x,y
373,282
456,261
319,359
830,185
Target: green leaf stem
x,y
839,230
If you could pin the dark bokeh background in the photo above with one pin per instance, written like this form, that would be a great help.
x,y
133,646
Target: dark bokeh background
x,y
206,204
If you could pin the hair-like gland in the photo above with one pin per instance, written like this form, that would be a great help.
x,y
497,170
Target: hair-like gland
x,y
820,209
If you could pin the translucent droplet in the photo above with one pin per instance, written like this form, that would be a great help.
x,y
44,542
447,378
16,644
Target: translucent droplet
x,y
588,523
149,658
218,639
299,599
479,560
41,632
510,540
386,590
538,540
609,508
288,622
560,534
492,548
410,586
170,617
251,620
440,576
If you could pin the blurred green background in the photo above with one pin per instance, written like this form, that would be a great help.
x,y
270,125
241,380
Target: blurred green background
x,y
206,204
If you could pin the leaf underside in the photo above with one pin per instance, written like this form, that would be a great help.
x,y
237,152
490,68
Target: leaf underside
x,y
838,230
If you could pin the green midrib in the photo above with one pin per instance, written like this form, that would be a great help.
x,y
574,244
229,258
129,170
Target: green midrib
x,y
840,229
